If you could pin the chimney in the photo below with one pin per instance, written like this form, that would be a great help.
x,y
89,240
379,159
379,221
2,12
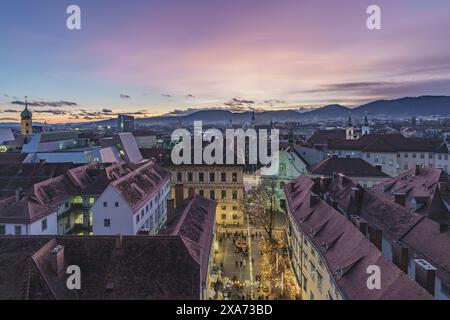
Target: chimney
x,y
425,274
191,192
375,236
57,259
443,226
400,198
170,209
341,179
179,195
443,187
400,255
313,200
417,170
18,194
360,223
119,242
357,195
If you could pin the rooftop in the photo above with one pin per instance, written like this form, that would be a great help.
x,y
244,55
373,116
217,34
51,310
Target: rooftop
x,y
397,222
352,167
346,251
138,267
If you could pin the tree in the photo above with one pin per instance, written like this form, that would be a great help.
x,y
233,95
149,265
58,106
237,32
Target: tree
x,y
260,206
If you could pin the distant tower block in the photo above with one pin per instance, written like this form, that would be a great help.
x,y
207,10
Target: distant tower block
x,y
349,130
26,122
366,127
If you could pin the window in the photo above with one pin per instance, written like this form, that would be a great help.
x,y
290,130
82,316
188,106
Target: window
x,y
212,194
414,155
78,200
305,283
224,176
105,204
224,207
44,224
406,155
201,192
235,195
201,177
179,176
107,223
234,177
138,218
212,177
190,176
224,216
446,157
422,156
235,216
319,282
142,213
368,155
2,230
235,208
439,156
116,204
445,289
430,156
224,194
18,230
91,201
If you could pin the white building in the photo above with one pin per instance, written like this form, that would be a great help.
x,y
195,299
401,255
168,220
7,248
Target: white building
x,y
135,203
131,198
391,153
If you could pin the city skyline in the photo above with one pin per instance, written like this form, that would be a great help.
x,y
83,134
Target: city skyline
x,y
155,57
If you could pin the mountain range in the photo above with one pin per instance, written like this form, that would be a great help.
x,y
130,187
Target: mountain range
x,y
398,108
407,107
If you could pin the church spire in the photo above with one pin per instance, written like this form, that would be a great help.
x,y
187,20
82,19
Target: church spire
x,y
349,124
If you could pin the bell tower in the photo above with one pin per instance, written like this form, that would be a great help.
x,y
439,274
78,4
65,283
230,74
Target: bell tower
x,y
366,127
349,130
26,122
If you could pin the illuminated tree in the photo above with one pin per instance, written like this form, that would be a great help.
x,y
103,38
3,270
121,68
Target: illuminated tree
x,y
260,206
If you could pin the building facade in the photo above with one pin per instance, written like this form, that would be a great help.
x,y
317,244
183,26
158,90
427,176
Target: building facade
x,y
331,257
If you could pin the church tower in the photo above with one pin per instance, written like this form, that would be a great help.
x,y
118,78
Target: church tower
x,y
349,130
366,127
26,122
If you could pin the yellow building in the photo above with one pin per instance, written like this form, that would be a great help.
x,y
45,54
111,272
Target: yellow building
x,y
332,259
26,122
222,183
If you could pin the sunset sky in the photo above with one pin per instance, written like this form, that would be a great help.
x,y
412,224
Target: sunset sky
x,y
150,57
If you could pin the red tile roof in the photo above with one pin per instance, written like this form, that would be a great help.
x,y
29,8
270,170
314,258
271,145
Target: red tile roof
x,y
140,185
426,186
194,222
346,251
352,167
396,222
142,267
335,140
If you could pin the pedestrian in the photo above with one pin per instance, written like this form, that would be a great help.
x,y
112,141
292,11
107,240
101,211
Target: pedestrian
x,y
236,263
241,263
253,260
